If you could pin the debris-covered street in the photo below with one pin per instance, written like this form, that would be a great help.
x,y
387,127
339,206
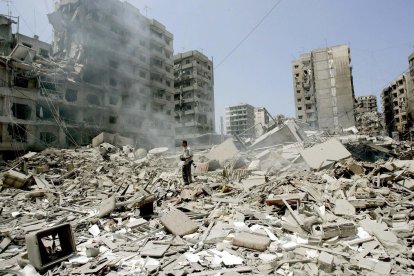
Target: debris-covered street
x,y
281,209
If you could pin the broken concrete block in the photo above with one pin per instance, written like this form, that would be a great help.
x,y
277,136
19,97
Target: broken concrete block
x,y
5,243
254,165
114,139
92,250
225,151
286,133
330,230
325,261
324,154
407,183
154,250
292,199
178,223
103,137
50,246
107,206
343,207
252,241
16,180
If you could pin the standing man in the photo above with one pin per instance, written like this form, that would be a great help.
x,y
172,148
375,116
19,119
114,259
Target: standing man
x,y
187,157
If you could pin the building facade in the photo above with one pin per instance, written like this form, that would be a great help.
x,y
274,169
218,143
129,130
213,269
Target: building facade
x,y
194,95
395,105
240,120
366,104
410,86
323,88
112,71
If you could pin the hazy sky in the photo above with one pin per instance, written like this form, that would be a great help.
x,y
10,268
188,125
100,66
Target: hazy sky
x,y
380,34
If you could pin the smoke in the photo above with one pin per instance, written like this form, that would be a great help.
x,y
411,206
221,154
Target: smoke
x,y
122,66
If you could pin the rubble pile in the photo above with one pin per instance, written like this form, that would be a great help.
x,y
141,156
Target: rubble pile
x,y
370,123
279,210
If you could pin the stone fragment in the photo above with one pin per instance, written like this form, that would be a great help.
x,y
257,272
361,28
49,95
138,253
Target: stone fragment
x,y
251,241
178,223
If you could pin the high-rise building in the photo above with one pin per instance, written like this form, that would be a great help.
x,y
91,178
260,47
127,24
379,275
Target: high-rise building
x,y
395,105
240,120
194,95
323,88
112,71
366,104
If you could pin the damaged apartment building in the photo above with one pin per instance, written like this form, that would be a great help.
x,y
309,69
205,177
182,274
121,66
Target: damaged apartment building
x,y
395,106
368,120
323,88
194,95
398,103
110,69
240,120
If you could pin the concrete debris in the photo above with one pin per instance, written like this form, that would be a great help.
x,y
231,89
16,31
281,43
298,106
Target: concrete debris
x,y
251,241
110,210
223,152
178,223
325,154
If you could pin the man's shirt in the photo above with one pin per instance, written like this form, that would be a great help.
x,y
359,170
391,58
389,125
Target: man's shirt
x,y
187,152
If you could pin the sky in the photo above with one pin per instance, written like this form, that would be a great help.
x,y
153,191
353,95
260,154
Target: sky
x,y
380,34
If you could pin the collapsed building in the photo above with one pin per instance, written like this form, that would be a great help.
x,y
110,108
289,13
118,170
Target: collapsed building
x,y
368,120
323,88
110,69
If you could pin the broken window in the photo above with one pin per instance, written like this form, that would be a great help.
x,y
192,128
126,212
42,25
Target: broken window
x,y
299,108
112,119
21,82
21,111
299,100
17,132
67,114
93,76
71,95
27,45
298,91
47,83
48,137
43,112
92,99
113,100
44,53
112,82
113,63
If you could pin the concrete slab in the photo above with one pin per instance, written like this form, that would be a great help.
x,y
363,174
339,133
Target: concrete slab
x,y
225,151
287,133
251,241
343,207
178,223
154,250
324,154
107,206
325,260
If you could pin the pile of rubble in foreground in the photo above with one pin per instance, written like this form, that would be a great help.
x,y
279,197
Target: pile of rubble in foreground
x,y
117,211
